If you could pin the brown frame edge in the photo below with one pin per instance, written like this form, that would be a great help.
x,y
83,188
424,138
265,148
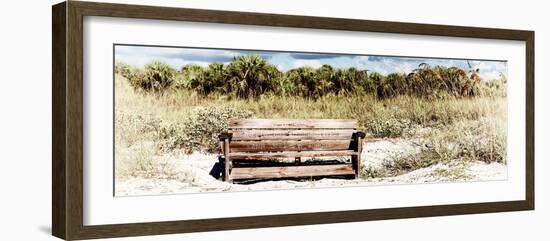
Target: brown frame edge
x,y
67,121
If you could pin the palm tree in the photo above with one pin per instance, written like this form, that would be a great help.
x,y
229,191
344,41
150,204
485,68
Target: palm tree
x,y
425,80
157,76
275,79
304,80
362,83
383,88
453,79
212,79
188,77
249,76
473,73
398,84
349,81
324,76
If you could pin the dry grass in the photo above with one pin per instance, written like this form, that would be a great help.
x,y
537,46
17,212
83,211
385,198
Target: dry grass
x,y
453,128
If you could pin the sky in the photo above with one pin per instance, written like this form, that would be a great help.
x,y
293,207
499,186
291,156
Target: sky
x,y
179,57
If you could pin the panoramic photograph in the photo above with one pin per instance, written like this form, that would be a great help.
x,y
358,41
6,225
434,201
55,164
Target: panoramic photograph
x,y
195,120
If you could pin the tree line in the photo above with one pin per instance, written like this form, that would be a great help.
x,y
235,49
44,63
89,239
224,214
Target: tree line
x,y
251,76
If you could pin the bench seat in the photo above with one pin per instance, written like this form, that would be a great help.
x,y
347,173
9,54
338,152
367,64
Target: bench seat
x,y
248,141
291,171
286,154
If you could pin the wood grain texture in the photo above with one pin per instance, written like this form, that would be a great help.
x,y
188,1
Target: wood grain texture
x,y
291,171
292,123
59,181
356,159
289,145
530,120
265,221
290,154
225,135
282,20
227,160
274,138
75,120
310,134
67,201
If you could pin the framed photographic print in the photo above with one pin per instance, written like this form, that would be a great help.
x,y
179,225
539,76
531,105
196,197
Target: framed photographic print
x,y
170,120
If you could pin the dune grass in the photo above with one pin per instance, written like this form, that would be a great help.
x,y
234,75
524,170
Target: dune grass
x,y
471,128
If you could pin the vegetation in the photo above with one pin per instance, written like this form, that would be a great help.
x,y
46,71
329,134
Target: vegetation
x,y
457,143
454,172
201,130
155,77
250,76
456,115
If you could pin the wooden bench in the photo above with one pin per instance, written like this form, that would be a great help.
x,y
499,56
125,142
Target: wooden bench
x,y
256,139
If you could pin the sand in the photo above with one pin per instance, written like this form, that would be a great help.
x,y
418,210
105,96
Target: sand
x,y
193,174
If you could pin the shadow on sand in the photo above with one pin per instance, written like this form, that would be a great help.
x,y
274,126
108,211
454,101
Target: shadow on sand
x,y
217,170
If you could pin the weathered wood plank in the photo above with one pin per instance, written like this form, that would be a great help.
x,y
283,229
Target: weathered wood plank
x,y
227,161
306,145
291,171
292,123
290,154
292,134
356,159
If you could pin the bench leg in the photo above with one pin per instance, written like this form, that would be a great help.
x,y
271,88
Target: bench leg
x,y
227,170
227,162
356,159
356,164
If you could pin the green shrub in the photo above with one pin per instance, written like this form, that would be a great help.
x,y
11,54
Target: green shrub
x,y
410,162
133,128
188,76
373,172
211,80
201,130
124,69
389,127
251,76
155,77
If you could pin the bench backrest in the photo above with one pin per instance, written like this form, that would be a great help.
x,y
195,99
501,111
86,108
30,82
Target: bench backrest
x,y
269,135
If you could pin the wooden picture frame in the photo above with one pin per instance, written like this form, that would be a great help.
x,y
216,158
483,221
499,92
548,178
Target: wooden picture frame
x,y
67,120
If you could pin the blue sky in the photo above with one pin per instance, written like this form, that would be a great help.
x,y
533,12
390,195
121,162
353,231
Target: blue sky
x,y
179,57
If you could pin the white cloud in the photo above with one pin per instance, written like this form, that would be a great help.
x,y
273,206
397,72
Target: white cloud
x,y
395,65
171,51
314,63
385,66
142,60
492,70
178,57
492,75
175,57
